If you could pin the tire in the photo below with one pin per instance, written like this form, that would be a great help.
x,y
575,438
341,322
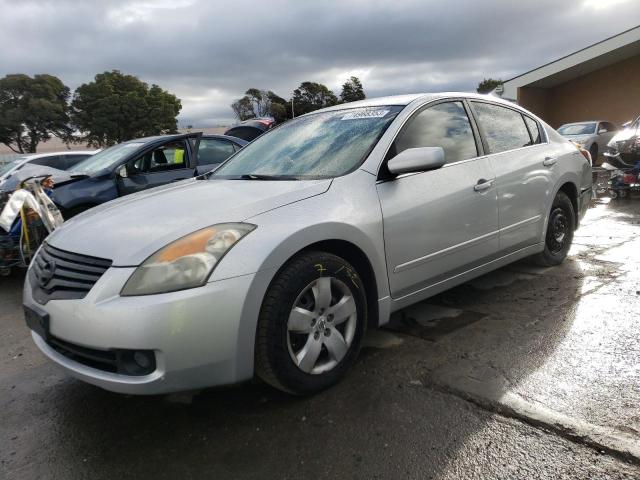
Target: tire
x,y
593,150
559,235
300,320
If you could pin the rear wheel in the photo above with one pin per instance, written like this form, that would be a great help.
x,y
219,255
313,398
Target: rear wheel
x,y
562,221
311,324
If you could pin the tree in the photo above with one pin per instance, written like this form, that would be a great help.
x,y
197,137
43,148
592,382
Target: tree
x,y
260,103
488,85
352,90
31,110
243,108
311,96
115,108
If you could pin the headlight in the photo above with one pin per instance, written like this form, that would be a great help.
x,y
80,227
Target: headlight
x,y
187,262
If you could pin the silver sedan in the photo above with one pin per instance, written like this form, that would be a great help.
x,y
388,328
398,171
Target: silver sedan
x,y
277,262
592,136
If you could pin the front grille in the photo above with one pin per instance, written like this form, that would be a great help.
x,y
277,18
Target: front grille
x,y
121,361
60,275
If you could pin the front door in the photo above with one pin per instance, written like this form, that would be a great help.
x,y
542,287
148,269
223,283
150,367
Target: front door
x,y
169,162
439,223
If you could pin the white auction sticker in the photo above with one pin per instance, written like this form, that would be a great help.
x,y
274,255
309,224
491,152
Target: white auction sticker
x,y
365,114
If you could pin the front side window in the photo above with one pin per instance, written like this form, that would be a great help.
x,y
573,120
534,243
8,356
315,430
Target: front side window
x,y
171,156
443,125
534,130
213,150
504,128
318,145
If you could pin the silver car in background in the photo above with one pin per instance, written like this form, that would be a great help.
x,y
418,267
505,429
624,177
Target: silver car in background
x,y
277,262
592,136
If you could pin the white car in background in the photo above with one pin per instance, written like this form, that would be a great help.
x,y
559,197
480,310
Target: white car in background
x,y
592,135
57,160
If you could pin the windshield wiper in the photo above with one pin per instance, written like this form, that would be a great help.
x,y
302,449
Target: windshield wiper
x,y
79,175
258,176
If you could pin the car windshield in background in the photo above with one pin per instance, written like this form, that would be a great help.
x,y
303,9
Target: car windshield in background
x,y
105,158
578,129
5,167
320,145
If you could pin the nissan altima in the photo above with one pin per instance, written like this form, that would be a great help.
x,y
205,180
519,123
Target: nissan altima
x,y
277,262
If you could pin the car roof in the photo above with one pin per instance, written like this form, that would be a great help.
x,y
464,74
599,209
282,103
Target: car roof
x,y
33,156
404,100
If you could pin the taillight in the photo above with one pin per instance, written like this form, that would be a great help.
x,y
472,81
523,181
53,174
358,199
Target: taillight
x,y
585,153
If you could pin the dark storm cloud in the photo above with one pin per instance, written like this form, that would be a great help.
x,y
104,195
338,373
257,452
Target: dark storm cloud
x,y
209,53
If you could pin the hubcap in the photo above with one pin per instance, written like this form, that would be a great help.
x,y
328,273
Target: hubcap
x,y
321,325
558,230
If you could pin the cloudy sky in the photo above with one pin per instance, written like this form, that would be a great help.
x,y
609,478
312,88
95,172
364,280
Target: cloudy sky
x,y
209,52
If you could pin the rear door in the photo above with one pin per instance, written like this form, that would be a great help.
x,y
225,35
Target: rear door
x,y
212,152
441,222
168,162
520,158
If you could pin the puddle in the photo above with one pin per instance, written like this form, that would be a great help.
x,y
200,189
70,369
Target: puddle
x,y
431,322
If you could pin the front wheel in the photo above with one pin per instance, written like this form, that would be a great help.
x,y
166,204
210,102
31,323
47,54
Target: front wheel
x,y
311,324
562,221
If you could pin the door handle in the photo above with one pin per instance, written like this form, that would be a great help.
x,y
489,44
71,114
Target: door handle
x,y
549,161
482,185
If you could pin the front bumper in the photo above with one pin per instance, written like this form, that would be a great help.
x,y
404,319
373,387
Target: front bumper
x,y
201,337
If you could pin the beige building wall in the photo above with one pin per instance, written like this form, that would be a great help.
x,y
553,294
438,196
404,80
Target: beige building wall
x,y
611,93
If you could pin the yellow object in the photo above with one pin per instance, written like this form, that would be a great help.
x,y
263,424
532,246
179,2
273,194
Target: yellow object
x,y
178,155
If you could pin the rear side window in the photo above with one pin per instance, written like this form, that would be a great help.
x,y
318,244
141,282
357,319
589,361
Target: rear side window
x,y
534,130
443,125
504,128
54,161
212,151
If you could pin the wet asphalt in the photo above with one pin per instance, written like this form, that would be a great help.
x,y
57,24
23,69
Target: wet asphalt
x,y
523,373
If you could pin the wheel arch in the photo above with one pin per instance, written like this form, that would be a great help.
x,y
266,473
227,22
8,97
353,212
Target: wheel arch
x,y
571,190
356,257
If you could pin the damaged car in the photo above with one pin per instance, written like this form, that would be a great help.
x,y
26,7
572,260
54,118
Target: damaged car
x,y
138,165
277,262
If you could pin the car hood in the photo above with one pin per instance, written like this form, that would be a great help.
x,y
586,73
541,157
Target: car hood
x,y
623,135
578,138
10,182
130,229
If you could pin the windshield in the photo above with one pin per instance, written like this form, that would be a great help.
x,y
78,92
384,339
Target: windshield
x,y
106,158
578,129
320,145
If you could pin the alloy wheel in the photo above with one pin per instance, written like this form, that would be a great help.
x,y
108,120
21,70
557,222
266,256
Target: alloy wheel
x,y
321,325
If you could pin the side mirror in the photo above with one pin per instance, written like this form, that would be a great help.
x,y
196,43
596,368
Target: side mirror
x,y
417,160
121,171
602,130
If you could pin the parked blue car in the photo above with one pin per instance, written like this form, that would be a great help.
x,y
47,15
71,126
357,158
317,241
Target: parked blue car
x,y
137,165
